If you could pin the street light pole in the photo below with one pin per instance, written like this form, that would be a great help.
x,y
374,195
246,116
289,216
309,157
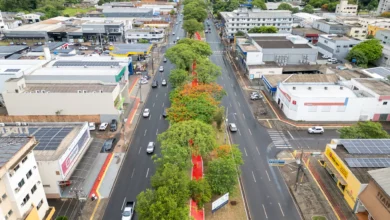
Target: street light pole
x,y
299,162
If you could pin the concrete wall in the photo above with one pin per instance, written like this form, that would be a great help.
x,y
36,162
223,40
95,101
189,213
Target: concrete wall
x,y
51,175
258,73
253,58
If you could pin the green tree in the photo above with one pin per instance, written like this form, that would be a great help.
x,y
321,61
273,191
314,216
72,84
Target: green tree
x,y
221,174
386,14
227,151
197,135
359,57
332,6
259,4
232,5
195,10
263,29
364,130
191,26
308,9
178,77
172,12
318,3
62,218
219,117
200,192
370,36
175,154
143,41
207,71
240,33
372,49
285,6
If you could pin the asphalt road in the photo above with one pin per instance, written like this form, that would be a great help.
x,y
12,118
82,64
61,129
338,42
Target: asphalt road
x,y
266,192
302,139
138,167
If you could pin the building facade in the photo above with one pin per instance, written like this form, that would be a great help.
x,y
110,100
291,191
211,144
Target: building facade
x,y
113,30
378,26
128,12
330,27
31,18
152,35
383,6
21,187
335,46
344,8
244,19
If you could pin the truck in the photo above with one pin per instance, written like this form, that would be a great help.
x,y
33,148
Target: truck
x,y
128,211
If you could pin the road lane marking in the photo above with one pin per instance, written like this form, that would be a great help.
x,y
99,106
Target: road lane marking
x,y
258,151
132,174
245,152
290,135
253,176
145,132
123,204
154,104
160,117
243,115
232,85
234,116
281,209
157,132
150,116
239,132
235,93
147,172
230,104
165,94
239,104
266,216
156,95
139,150
269,123
250,132
163,104
267,175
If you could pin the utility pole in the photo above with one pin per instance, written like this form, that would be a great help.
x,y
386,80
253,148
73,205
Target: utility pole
x,y
79,192
299,162
226,124
140,93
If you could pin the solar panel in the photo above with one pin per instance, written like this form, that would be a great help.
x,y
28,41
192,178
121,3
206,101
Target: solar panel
x,y
50,138
368,162
367,146
85,63
11,70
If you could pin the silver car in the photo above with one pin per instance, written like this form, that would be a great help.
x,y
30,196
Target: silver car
x,y
316,130
161,69
150,148
232,127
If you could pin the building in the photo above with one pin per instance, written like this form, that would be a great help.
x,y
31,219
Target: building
x,y
373,28
59,150
310,34
305,19
111,29
244,19
376,196
275,5
31,18
344,8
21,186
152,35
126,50
377,72
8,51
351,164
330,27
335,46
128,12
163,9
383,36
365,21
356,31
356,100
383,6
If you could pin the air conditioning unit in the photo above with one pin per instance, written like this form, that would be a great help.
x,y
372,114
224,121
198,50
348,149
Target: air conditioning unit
x,y
326,88
84,91
294,88
43,91
17,189
101,91
79,91
24,123
2,124
18,123
309,88
37,91
341,88
39,182
35,167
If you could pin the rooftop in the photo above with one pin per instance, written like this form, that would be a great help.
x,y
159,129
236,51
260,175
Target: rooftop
x,y
256,13
9,146
333,23
318,90
126,10
77,71
301,78
307,16
70,88
126,48
380,87
306,31
378,72
336,37
277,42
47,25
9,50
51,46
382,178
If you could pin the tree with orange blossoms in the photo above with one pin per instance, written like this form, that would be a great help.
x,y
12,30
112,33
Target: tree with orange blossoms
x,y
215,90
227,151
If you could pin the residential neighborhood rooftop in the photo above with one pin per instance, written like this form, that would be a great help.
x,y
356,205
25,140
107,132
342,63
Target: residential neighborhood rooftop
x,y
380,87
277,42
70,87
301,78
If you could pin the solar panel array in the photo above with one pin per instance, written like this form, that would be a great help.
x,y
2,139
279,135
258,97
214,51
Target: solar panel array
x,y
86,63
367,146
11,70
368,162
51,137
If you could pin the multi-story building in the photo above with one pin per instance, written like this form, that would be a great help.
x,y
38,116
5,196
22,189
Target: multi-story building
x,y
344,8
330,27
335,46
21,187
152,35
244,19
356,31
96,30
128,12
305,19
383,6
365,21
377,26
384,37
31,18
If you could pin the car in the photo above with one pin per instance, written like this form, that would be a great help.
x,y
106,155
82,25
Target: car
x,y
165,113
316,130
98,48
17,43
11,43
110,44
143,81
109,144
103,126
161,69
24,43
70,44
77,44
113,125
232,127
332,60
150,147
83,48
173,33
176,23
163,82
256,95
165,60
146,113
154,84
210,29
205,31
177,38
40,43
92,126
325,56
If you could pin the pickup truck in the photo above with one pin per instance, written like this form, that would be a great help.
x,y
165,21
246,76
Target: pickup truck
x,y
128,211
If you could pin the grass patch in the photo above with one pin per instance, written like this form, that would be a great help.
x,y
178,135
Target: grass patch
x,y
318,218
74,11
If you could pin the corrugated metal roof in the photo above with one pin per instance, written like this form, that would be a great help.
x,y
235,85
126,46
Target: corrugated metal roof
x,y
382,178
51,46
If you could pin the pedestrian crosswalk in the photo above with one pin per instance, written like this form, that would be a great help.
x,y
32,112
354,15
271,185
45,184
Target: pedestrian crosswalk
x,y
279,139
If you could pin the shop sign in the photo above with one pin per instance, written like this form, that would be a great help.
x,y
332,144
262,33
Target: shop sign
x,y
336,162
384,200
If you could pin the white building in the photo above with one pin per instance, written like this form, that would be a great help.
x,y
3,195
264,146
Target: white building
x,y
31,18
152,35
383,6
162,9
244,19
23,97
305,19
21,187
344,8
355,100
336,46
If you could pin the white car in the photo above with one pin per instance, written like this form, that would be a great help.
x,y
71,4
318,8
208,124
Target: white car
x,y
146,113
150,148
315,130
83,48
177,38
98,48
161,69
332,60
163,82
92,126
232,127
173,33
103,126
143,81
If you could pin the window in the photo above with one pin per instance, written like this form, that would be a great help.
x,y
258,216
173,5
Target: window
x,y
29,173
384,103
326,108
10,212
341,108
40,204
25,200
24,159
33,189
57,173
21,183
46,186
16,168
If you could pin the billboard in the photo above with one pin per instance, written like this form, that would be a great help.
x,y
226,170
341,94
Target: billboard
x,y
219,203
70,156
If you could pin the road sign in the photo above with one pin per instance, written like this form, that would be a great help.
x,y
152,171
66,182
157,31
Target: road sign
x,y
219,203
276,162
251,76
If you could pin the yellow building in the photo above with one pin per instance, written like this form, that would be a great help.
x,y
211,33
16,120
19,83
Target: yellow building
x,y
125,50
348,162
373,28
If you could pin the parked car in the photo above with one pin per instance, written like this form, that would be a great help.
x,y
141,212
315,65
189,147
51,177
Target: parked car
x,y
109,144
325,56
146,113
83,48
92,126
165,113
205,31
161,69
150,148
24,43
40,43
316,130
103,126
332,60
232,127
143,81
98,48
173,33
165,60
11,43
177,38
113,125
154,84
163,82
77,44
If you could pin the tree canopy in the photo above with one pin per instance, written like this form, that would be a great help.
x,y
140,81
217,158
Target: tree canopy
x,y
263,29
178,77
260,4
286,6
308,9
364,130
191,26
370,49
221,173
207,71
359,57
200,192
